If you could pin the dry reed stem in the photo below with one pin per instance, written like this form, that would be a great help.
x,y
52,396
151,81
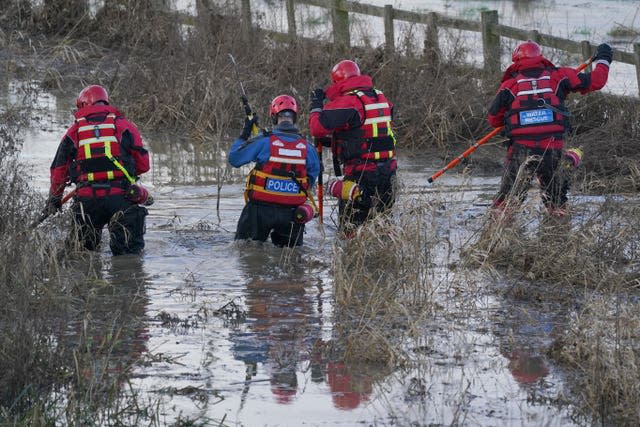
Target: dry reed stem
x,y
382,284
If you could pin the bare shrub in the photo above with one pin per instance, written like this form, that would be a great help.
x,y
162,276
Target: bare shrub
x,y
16,14
600,251
383,284
608,128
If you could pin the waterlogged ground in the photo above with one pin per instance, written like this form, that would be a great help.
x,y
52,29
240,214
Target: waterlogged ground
x,y
236,331
615,22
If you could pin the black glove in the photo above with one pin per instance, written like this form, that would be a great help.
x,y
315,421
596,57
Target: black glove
x,y
317,99
248,125
53,205
605,53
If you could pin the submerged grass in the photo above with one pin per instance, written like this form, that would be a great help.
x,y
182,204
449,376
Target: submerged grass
x,y
589,267
70,335
385,284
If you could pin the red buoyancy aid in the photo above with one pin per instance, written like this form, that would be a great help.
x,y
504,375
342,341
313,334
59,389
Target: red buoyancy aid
x,y
537,113
283,178
100,157
375,139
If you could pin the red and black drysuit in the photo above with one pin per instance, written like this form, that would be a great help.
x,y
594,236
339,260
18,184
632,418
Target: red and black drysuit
x,y
530,106
94,154
357,120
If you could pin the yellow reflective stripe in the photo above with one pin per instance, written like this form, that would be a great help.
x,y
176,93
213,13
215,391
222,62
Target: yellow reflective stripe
x,y
372,120
377,155
92,127
376,106
375,130
103,139
87,151
90,176
120,167
391,134
107,153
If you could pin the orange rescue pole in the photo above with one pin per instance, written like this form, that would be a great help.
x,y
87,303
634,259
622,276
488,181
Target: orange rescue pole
x,y
67,196
466,152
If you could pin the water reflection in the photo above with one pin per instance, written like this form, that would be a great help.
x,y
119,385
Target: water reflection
x,y
349,388
529,334
282,324
184,161
111,330
281,340
526,367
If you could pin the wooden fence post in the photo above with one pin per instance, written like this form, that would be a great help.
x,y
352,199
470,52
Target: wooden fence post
x,y
340,23
389,34
534,36
291,18
245,17
431,38
490,41
636,51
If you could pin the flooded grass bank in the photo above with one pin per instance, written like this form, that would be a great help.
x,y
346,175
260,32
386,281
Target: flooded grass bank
x,y
193,89
391,328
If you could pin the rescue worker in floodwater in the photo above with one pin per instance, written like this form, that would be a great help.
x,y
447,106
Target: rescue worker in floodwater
x,y
278,193
356,123
530,105
103,155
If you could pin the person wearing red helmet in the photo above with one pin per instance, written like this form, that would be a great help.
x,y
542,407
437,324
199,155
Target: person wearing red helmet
x,y
103,155
530,104
356,123
286,168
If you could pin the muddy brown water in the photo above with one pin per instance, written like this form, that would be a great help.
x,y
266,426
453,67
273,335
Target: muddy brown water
x,y
234,330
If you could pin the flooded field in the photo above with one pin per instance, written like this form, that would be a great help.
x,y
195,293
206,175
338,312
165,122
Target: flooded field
x,y
239,331
615,22
437,317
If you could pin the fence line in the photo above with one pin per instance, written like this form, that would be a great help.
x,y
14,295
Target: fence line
x,y
489,28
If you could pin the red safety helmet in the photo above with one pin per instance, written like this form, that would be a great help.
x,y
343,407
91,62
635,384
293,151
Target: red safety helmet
x,y
92,94
526,50
343,70
281,103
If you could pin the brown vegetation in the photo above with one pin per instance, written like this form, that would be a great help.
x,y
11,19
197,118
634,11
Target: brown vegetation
x,y
169,78
64,349
590,268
